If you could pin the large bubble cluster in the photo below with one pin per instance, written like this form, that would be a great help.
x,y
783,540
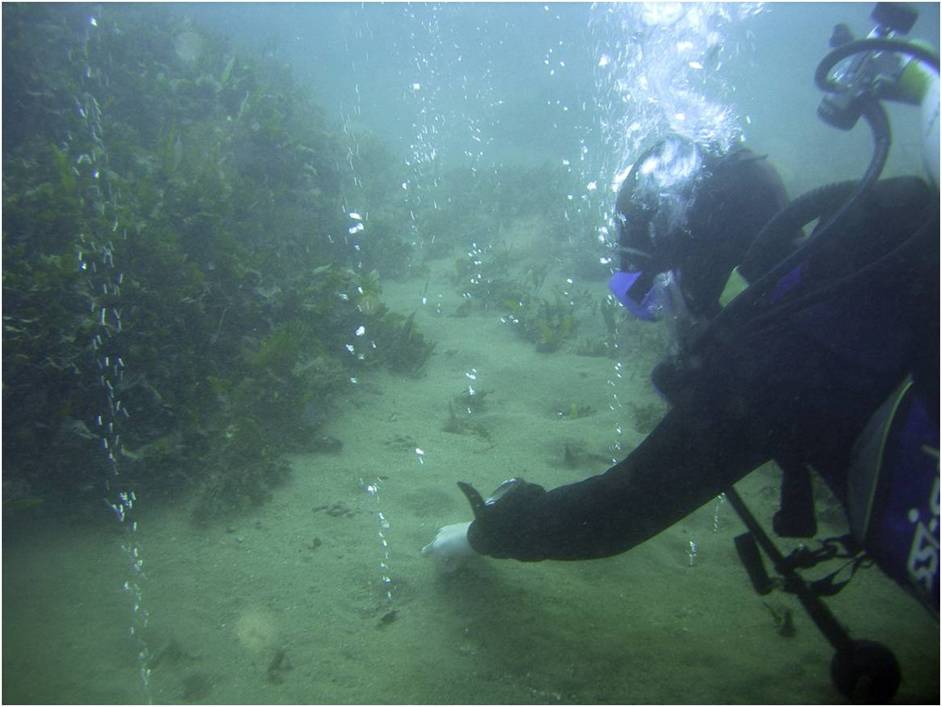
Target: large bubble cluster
x,y
660,70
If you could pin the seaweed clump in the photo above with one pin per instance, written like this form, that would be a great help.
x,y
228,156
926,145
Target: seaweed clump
x,y
170,208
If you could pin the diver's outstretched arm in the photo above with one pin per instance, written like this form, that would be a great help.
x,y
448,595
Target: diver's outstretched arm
x,y
688,459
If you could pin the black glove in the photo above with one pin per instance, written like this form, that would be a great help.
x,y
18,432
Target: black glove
x,y
500,526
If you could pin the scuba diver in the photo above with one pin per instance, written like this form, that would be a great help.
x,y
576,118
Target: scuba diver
x,y
819,351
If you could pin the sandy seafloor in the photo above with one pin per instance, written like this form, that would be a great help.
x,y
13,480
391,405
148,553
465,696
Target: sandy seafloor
x,y
644,627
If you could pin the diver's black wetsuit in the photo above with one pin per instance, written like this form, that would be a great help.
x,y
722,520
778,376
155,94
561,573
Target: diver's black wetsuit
x,y
800,383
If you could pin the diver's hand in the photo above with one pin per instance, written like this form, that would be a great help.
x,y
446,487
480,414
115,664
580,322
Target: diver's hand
x,y
496,524
450,548
501,521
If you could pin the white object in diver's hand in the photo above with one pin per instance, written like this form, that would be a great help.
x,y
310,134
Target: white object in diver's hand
x,y
450,548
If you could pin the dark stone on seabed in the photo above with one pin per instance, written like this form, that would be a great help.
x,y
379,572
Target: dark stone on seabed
x,y
326,444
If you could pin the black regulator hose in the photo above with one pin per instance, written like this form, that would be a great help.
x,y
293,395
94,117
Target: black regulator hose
x,y
786,223
873,44
741,306
920,239
802,210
